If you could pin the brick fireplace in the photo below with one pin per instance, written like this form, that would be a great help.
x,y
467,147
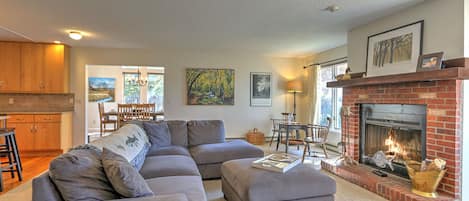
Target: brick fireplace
x,y
443,101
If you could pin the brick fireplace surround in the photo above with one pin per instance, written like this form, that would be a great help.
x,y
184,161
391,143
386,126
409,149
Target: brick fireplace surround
x,y
444,105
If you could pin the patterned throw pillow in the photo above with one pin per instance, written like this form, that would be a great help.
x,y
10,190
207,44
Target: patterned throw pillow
x,y
124,178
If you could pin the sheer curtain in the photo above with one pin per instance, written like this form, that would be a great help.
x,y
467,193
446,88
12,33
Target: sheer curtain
x,y
311,102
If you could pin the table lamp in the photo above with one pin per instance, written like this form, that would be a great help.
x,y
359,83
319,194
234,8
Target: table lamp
x,y
294,86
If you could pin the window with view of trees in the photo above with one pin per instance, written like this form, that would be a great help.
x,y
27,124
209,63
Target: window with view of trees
x,y
330,99
131,91
155,90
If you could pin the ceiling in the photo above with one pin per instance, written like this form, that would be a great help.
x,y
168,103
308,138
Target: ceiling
x,y
271,27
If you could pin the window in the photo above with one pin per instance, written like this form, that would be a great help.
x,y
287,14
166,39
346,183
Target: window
x,y
330,99
152,92
131,91
155,90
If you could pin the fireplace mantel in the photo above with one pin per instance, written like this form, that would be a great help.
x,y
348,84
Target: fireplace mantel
x,y
454,73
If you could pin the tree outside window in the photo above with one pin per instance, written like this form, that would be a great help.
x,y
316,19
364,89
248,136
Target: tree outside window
x,y
155,92
330,99
131,91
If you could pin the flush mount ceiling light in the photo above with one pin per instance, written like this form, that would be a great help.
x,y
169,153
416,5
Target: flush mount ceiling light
x,y
332,8
75,35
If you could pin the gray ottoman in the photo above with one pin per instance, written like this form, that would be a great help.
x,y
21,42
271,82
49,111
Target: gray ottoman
x,y
241,182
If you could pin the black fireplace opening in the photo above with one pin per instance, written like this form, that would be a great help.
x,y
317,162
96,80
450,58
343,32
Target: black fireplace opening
x,y
391,134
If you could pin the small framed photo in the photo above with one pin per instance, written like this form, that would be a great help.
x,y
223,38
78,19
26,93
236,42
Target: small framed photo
x,y
261,89
430,62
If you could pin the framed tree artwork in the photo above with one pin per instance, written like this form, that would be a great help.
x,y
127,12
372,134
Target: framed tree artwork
x,y
261,89
394,51
206,86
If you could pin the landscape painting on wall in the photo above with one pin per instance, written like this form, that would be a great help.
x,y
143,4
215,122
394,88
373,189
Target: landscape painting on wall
x,y
101,89
210,86
394,51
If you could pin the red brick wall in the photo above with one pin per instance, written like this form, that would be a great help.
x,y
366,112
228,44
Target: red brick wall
x,y
444,103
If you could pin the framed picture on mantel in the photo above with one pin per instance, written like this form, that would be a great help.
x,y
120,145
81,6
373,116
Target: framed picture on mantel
x,y
394,51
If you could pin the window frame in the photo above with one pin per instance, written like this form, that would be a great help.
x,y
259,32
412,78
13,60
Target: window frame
x,y
335,110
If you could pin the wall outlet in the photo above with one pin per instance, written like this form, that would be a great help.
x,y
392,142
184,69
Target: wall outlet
x,y
94,122
11,101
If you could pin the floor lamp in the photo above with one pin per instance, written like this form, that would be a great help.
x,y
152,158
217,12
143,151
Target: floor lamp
x,y
294,86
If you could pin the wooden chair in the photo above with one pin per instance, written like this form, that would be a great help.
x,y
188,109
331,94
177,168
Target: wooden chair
x,y
104,120
144,111
125,112
318,136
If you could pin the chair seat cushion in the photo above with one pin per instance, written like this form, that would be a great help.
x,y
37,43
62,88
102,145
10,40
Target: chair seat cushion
x,y
169,150
221,152
171,165
300,182
191,186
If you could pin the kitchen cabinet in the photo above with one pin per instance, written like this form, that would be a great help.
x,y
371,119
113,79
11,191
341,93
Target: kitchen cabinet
x,y
37,134
10,66
33,67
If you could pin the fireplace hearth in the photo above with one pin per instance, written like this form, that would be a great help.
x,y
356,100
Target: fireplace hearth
x,y
390,134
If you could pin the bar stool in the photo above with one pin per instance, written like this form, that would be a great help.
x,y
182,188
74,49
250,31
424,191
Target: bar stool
x,y
10,149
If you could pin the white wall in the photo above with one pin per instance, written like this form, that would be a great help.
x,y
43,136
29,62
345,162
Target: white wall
x,y
116,72
238,118
443,30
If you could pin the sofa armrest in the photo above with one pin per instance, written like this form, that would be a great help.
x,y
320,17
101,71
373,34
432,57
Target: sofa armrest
x,y
168,197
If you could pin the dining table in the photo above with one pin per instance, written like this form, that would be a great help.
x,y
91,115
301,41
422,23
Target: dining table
x,y
291,126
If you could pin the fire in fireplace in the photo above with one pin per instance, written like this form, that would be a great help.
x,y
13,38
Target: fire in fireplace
x,y
392,134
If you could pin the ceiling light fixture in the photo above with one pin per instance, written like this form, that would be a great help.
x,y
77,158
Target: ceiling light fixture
x,y
332,8
75,35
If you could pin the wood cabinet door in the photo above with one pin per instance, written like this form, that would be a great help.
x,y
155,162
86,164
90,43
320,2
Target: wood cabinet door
x,y
54,68
24,135
10,67
32,67
47,136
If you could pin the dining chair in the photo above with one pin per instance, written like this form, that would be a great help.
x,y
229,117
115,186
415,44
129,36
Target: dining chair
x,y
275,129
318,136
125,112
104,120
144,111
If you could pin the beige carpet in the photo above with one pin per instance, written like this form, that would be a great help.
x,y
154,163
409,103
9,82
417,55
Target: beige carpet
x,y
346,191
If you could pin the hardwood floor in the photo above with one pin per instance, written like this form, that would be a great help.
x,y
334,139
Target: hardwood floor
x,y
32,167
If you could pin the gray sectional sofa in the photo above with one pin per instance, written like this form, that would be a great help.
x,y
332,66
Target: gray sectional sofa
x,y
173,172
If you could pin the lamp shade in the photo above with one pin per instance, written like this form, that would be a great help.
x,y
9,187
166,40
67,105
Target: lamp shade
x,y
295,86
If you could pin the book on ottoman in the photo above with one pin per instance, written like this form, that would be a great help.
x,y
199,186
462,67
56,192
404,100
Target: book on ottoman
x,y
277,162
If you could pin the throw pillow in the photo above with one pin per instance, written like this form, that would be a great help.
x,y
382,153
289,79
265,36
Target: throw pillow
x,y
123,176
158,133
79,175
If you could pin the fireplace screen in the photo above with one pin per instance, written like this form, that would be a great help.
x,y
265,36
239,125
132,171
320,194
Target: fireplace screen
x,y
392,134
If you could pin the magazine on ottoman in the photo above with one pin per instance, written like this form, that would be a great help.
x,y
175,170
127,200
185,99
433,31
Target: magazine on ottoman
x,y
277,162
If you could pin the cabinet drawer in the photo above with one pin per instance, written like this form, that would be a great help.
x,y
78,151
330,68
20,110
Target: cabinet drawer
x,y
47,118
21,118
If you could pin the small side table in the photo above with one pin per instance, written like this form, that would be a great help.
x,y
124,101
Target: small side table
x,y
255,137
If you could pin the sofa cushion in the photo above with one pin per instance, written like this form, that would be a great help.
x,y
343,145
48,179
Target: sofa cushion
x,y
169,150
172,165
168,197
124,177
130,141
205,132
191,186
79,175
178,130
221,152
45,189
158,133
